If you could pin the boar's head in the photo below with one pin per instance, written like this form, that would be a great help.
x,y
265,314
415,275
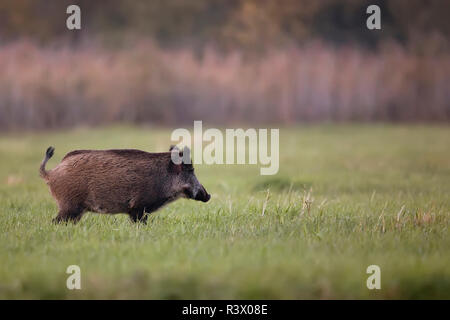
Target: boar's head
x,y
181,166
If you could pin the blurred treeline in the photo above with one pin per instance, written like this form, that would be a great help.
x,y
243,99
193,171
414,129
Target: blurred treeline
x,y
248,61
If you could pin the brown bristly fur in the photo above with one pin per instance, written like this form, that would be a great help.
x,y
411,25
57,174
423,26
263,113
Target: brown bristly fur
x,y
118,181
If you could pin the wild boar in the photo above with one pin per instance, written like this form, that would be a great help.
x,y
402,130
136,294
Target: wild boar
x,y
119,181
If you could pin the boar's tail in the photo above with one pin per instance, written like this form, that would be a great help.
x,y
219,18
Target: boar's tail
x,y
48,154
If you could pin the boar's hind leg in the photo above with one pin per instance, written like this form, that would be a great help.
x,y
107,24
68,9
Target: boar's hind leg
x,y
69,215
138,215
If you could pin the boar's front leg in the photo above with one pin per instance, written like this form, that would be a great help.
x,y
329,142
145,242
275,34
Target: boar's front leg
x,y
138,215
72,214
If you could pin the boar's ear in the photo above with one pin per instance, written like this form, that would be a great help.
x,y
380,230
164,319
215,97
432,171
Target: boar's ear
x,y
175,160
173,147
179,159
186,154
187,161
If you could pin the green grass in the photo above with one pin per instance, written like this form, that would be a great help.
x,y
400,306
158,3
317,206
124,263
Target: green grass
x,y
332,210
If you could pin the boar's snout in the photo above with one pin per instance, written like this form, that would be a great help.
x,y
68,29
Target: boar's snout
x,y
202,195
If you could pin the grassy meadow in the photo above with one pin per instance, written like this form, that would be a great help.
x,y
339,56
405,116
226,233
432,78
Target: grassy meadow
x,y
346,197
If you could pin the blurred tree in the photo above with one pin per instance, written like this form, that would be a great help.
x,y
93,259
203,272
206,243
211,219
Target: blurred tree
x,y
248,24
